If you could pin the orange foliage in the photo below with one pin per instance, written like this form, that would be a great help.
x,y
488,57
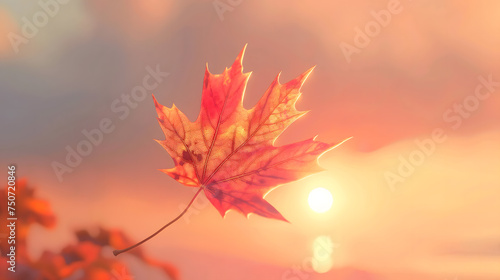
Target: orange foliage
x,y
85,260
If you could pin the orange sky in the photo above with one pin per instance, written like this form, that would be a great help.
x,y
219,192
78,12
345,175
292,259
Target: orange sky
x,y
419,73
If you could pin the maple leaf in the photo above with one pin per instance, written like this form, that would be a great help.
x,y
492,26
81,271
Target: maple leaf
x,y
229,151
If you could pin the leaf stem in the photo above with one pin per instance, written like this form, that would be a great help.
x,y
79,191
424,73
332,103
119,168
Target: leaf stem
x,y
117,252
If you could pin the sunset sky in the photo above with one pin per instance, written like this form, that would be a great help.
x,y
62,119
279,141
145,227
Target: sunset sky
x,y
416,84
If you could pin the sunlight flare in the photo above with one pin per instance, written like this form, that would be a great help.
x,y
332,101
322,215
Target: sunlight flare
x,y
320,200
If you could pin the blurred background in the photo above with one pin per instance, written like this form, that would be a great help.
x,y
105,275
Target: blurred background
x,y
417,84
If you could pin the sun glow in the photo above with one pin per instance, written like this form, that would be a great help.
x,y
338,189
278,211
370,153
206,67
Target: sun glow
x,y
322,260
320,200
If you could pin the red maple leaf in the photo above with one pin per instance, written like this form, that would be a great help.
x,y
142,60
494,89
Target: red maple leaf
x,y
229,152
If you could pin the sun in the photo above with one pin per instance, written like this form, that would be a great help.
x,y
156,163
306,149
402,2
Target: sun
x,y
320,200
